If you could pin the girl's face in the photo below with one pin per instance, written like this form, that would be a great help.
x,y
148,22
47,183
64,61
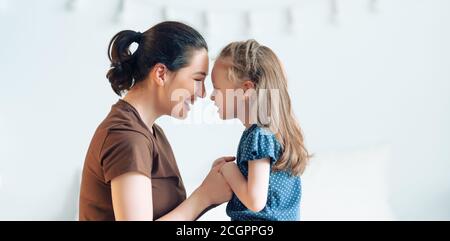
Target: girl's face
x,y
185,85
227,94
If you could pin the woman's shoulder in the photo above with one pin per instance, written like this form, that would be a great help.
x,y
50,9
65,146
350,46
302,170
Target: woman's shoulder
x,y
124,121
158,128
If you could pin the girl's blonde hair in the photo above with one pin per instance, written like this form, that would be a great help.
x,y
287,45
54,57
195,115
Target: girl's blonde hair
x,y
259,64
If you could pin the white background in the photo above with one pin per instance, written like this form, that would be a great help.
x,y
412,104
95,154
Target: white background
x,y
369,82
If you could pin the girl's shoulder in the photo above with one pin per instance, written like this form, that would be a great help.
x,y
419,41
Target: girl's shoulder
x,y
260,142
258,135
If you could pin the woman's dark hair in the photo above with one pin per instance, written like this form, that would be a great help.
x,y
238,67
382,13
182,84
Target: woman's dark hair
x,y
169,43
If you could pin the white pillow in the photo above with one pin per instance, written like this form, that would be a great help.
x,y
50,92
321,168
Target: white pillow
x,y
347,186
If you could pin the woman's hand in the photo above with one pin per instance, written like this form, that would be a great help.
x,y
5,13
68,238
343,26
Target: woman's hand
x,y
214,189
222,160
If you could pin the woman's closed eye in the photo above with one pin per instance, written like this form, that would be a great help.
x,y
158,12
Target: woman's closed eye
x,y
198,87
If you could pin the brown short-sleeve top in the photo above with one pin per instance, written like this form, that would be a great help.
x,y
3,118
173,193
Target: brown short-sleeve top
x,y
122,143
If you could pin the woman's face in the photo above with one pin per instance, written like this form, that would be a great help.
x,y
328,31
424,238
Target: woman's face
x,y
226,94
185,85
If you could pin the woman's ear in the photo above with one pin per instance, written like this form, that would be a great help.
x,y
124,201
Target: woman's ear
x,y
159,74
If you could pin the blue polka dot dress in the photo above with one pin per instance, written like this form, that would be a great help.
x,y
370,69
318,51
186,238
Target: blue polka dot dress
x,y
283,201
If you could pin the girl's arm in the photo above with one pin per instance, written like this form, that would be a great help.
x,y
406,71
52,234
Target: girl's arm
x,y
253,191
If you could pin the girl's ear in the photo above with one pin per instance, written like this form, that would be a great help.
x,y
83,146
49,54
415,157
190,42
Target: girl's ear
x,y
249,89
248,84
159,74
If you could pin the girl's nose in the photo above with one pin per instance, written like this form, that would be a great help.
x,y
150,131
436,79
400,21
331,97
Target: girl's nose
x,y
213,95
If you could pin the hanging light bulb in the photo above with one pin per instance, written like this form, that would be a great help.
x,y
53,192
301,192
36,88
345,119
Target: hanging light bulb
x,y
69,6
164,13
333,17
373,6
119,11
290,20
248,22
205,21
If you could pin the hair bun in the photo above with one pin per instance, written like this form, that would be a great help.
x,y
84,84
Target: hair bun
x,y
121,73
120,76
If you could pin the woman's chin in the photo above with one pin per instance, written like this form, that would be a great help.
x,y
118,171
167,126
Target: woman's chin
x,y
181,111
181,115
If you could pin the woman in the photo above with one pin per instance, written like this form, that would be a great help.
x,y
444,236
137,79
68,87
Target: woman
x,y
130,172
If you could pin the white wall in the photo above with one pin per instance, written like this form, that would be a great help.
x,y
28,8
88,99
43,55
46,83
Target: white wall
x,y
369,83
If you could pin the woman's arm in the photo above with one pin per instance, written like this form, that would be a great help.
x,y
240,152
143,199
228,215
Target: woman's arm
x,y
132,196
253,191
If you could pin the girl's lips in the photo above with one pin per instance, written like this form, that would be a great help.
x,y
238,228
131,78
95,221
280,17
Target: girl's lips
x,y
217,106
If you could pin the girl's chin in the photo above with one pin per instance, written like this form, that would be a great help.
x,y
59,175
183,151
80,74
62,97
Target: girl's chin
x,y
221,114
224,116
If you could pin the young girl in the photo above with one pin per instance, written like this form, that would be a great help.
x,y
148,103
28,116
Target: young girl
x,y
250,84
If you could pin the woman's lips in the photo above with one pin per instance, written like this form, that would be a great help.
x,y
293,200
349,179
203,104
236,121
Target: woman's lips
x,y
186,104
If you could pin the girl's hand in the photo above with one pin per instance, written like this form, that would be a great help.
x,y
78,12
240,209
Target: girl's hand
x,y
220,161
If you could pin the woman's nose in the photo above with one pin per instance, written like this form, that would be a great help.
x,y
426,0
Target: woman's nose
x,y
203,90
200,90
